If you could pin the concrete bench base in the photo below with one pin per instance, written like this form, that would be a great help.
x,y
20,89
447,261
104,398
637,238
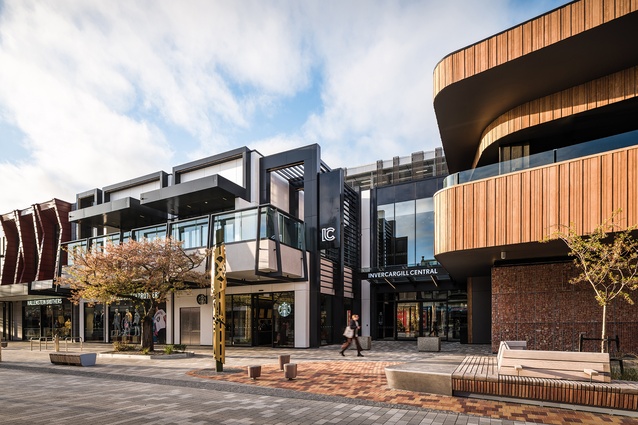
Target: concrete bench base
x,y
364,341
73,359
428,343
429,376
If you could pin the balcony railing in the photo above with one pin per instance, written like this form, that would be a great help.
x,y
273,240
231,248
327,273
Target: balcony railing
x,y
593,147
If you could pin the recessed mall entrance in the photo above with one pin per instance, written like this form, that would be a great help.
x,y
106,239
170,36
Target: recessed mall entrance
x,y
408,315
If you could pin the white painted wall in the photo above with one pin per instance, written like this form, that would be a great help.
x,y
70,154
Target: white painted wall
x,y
135,191
232,170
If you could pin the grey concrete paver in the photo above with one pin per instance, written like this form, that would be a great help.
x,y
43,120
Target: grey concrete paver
x,y
131,391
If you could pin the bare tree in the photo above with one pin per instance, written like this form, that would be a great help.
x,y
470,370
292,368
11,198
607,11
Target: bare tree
x,y
607,260
145,272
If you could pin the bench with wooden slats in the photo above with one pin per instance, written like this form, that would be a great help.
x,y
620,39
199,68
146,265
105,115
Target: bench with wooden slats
x,y
577,366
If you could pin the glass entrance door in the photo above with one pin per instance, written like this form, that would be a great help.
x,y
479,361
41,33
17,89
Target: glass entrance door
x,y
263,320
408,320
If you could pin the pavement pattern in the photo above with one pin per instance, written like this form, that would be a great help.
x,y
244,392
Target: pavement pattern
x,y
328,389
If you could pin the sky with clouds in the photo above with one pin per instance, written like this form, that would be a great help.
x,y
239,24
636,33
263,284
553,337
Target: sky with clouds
x,y
94,92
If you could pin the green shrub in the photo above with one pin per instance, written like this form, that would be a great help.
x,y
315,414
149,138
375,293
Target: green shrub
x,y
180,347
169,349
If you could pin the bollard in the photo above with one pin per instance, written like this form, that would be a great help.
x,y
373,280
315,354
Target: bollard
x,y
283,359
254,372
290,370
56,343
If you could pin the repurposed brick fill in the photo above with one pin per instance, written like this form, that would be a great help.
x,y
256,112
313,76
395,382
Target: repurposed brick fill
x,y
536,303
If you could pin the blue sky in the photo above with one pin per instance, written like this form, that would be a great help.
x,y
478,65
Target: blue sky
x,y
93,92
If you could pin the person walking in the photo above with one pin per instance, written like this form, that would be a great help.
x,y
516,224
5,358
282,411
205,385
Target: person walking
x,y
351,334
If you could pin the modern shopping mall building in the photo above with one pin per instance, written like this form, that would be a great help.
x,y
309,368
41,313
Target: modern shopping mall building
x,y
538,130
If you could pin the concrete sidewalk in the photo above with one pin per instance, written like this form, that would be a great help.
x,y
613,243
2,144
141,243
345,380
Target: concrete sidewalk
x,y
322,374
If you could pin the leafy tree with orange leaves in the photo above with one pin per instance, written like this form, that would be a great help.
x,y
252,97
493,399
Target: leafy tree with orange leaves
x,y
145,272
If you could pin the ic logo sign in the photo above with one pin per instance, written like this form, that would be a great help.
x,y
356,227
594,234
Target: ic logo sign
x,y
327,234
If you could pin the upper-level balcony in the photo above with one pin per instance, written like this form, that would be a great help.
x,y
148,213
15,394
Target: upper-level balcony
x,y
504,217
262,244
553,156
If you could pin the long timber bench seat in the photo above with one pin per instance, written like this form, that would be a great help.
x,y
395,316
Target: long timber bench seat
x,y
73,359
478,375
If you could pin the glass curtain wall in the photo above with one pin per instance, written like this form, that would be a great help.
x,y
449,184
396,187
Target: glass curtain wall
x,y
405,232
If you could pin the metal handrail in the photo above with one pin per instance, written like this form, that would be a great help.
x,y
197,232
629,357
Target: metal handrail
x,y
40,339
72,339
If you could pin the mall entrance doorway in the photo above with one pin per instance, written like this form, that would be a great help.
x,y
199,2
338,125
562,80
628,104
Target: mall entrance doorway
x,y
408,315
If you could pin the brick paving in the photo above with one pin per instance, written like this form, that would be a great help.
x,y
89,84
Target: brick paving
x,y
366,380
328,389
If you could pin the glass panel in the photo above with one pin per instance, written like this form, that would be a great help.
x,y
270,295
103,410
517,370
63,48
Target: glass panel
x,y
404,236
284,314
424,229
94,322
150,233
385,229
125,323
101,241
407,320
238,320
193,233
72,247
32,321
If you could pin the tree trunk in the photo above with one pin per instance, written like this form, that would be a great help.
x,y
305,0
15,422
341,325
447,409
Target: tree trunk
x,y
603,338
147,333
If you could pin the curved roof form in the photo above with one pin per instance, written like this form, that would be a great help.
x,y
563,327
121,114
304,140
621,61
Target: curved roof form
x,y
571,46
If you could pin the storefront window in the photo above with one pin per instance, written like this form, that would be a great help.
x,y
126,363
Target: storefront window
x,y
48,318
94,322
125,323
284,314
238,320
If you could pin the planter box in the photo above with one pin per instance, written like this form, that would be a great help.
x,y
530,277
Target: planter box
x,y
428,343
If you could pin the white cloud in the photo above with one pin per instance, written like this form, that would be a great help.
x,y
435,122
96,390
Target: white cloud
x,y
93,86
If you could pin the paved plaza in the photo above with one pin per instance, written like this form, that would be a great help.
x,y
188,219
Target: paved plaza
x,y
329,389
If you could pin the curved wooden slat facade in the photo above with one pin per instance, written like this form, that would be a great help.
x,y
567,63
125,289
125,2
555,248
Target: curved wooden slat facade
x,y
531,36
569,61
599,93
526,206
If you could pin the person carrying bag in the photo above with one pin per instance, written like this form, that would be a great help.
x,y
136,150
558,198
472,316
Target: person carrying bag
x,y
351,334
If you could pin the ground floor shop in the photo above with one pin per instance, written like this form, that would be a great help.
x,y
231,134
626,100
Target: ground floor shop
x,y
408,315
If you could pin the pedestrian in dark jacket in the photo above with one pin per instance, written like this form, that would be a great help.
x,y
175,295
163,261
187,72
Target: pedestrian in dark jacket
x,y
351,334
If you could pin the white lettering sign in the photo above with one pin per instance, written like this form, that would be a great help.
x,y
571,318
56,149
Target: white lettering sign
x,y
403,273
327,234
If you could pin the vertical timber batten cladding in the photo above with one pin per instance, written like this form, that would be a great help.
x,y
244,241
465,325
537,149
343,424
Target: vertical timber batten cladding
x,y
539,131
526,206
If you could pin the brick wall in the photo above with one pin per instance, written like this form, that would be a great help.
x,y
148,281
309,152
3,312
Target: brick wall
x,y
536,303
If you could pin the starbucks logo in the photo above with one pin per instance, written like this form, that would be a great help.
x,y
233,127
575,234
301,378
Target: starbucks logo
x,y
284,309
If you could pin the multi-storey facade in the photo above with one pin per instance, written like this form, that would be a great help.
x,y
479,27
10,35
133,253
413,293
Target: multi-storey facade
x,y
289,223
539,128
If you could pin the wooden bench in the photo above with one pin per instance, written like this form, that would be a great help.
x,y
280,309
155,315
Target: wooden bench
x,y
74,359
592,367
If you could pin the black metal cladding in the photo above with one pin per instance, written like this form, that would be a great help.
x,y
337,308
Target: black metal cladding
x,y
351,240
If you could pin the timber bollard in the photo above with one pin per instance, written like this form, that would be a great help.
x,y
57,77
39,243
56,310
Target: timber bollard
x,y
283,359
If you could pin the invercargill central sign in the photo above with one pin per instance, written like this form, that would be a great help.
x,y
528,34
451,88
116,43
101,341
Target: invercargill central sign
x,y
413,272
